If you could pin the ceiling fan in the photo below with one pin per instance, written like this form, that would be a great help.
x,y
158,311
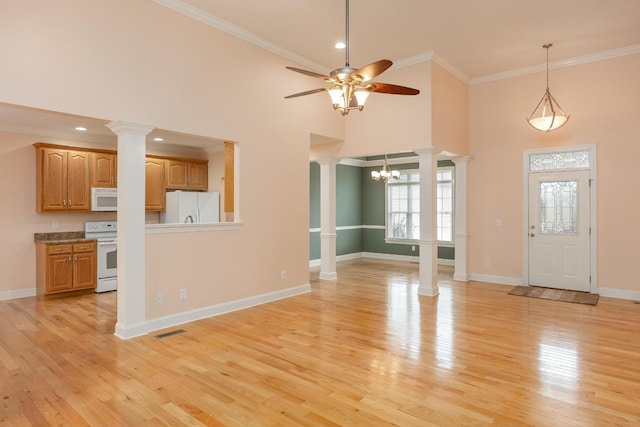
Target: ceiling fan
x,y
350,87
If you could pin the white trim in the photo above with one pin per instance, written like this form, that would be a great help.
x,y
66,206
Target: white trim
x,y
347,161
442,62
413,60
189,228
223,308
17,293
352,227
593,155
391,257
238,32
314,263
500,280
569,62
619,293
131,331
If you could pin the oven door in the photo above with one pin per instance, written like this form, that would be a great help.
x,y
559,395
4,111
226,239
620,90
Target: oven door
x,y
107,258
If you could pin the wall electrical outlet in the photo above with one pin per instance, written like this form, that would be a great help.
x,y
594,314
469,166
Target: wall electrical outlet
x,y
413,248
283,275
183,293
159,299
55,225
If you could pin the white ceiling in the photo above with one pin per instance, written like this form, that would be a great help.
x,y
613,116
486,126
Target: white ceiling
x,y
475,39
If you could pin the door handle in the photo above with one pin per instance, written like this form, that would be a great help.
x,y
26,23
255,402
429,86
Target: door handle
x,y
532,235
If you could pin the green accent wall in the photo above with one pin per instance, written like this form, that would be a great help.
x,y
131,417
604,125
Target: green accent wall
x,y
360,201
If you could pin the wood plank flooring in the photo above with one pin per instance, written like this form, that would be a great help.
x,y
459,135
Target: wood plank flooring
x,y
362,350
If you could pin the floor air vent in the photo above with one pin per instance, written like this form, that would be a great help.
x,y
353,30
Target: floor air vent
x,y
168,334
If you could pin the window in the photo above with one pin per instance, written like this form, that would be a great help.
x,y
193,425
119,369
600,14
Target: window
x,y
403,206
444,199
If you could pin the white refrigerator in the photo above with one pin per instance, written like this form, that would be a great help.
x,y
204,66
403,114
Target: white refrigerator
x,y
191,206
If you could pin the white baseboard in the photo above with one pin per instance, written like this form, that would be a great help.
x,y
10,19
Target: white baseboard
x,y
227,307
375,255
391,257
500,280
619,293
17,293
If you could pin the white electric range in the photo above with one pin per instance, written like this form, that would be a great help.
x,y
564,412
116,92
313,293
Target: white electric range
x,y
105,232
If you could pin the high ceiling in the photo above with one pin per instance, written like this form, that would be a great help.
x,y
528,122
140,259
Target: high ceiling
x,y
474,39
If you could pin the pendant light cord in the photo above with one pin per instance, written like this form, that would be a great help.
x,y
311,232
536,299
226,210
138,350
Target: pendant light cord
x,y
547,46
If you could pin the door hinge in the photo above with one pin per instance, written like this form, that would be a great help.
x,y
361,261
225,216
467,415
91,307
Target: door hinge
x,y
589,231
589,278
590,181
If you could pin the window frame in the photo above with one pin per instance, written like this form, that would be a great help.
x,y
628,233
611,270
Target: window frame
x,y
441,243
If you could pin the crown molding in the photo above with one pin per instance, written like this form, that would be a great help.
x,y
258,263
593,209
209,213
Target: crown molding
x,y
242,34
570,62
441,61
238,32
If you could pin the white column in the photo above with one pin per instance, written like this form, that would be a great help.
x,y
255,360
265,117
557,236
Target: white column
x,y
328,219
131,320
461,270
428,232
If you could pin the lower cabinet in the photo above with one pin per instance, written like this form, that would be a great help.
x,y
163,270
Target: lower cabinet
x,y
65,267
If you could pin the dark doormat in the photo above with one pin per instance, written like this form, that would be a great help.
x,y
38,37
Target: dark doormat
x,y
555,294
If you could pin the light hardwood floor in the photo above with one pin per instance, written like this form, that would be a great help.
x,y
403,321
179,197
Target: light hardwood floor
x,y
362,350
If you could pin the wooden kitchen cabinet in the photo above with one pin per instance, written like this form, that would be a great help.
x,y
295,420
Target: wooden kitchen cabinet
x,y
187,174
65,267
155,184
62,180
104,169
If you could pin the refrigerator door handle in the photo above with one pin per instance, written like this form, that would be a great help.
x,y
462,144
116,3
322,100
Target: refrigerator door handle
x,y
198,214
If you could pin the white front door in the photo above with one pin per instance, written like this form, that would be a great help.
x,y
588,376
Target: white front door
x,y
559,227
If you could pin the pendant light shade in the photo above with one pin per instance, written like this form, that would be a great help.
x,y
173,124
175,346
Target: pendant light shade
x,y
548,115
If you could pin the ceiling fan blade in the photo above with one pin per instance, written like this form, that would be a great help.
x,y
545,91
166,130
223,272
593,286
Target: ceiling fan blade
x,y
308,92
308,73
392,89
374,69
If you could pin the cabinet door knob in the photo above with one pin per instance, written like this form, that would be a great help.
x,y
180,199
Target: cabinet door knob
x,y
64,203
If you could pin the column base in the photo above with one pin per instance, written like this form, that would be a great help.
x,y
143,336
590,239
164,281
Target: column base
x,y
328,276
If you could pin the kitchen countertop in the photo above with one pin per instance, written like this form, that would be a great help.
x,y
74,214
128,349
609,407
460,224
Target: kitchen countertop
x,y
61,237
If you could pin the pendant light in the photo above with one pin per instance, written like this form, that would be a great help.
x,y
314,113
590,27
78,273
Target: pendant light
x,y
547,115
385,173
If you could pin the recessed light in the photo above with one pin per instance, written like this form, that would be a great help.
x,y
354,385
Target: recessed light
x,y
340,45
158,139
81,129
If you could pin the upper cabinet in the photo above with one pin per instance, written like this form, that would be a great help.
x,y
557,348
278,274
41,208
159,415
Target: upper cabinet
x,y
155,184
189,174
104,169
62,180
65,175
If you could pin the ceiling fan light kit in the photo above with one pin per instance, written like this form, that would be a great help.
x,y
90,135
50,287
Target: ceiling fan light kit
x,y
350,87
548,115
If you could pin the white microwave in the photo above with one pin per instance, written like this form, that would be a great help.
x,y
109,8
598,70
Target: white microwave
x,y
104,199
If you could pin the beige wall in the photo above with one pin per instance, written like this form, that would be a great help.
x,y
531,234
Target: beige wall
x,y
449,112
602,99
140,62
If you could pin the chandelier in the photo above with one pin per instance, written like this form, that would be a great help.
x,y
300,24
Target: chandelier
x,y
547,115
384,173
